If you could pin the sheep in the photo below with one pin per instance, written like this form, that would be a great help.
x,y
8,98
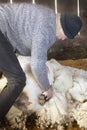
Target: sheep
x,y
67,104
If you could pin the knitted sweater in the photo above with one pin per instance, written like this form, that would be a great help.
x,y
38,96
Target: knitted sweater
x,y
31,29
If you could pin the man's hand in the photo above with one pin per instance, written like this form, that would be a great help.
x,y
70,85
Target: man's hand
x,y
45,96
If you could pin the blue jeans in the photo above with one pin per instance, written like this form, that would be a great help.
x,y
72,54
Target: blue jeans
x,y
11,68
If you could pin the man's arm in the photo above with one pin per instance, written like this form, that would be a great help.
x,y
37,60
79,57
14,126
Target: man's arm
x,y
38,61
43,37
38,66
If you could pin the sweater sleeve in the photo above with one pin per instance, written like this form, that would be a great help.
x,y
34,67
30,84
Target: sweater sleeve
x,y
39,58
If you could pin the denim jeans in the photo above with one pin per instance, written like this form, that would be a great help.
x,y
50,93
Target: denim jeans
x,y
11,68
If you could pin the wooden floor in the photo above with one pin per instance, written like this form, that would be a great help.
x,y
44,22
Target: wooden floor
x,y
80,63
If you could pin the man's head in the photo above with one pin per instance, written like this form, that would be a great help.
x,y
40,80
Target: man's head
x,y
70,26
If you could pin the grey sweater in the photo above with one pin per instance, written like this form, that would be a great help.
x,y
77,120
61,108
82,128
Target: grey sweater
x,y
31,29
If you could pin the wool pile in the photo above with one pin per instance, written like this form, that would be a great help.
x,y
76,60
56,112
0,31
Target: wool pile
x,y
68,104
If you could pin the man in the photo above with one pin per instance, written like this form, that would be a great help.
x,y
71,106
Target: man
x,y
29,30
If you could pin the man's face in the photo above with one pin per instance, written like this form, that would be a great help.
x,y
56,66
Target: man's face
x,y
61,35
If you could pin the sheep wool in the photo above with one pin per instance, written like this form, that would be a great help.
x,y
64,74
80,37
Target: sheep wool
x,y
68,103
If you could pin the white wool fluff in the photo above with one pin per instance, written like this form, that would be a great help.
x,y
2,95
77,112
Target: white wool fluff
x,y
69,99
